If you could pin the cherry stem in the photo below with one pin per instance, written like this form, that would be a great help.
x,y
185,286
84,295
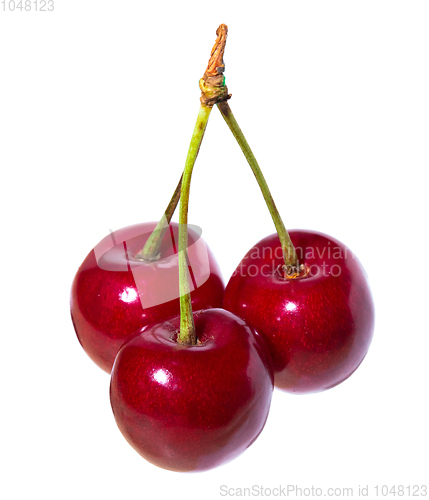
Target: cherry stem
x,y
289,253
150,251
213,91
187,333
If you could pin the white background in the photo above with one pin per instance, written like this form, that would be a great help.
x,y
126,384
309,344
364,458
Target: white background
x,y
98,100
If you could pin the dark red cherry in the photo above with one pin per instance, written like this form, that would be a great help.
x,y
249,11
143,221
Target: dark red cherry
x,y
318,326
192,407
114,294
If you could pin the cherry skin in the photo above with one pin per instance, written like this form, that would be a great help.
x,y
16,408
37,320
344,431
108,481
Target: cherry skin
x,y
191,408
318,326
114,294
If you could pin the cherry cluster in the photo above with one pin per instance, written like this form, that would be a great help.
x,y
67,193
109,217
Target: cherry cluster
x,y
193,364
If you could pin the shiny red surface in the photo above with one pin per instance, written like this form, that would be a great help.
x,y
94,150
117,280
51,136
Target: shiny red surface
x,y
191,408
318,327
106,302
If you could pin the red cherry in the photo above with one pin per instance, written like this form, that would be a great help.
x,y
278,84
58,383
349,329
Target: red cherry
x,y
192,407
114,294
319,326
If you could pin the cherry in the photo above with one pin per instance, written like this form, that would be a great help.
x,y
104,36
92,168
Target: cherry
x,y
192,407
114,294
318,325
194,391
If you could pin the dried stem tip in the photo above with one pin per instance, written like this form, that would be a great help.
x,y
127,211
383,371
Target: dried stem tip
x,y
216,65
212,84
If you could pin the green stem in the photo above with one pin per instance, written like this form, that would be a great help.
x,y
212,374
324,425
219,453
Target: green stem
x,y
187,333
150,252
289,253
